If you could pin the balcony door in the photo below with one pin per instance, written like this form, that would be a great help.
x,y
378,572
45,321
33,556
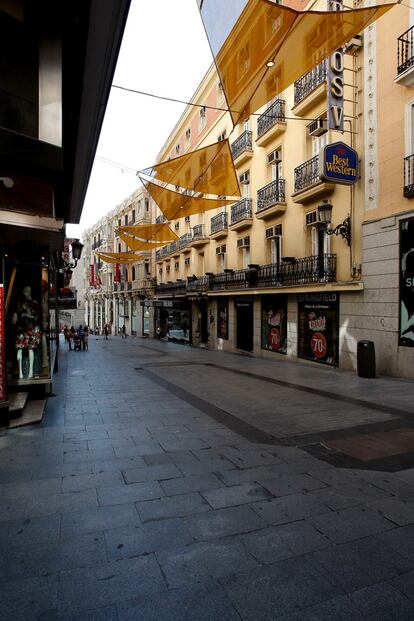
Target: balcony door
x,y
244,325
320,248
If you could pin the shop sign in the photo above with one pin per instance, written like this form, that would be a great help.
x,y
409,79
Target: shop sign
x,y
67,299
406,331
2,351
158,303
222,318
274,323
338,163
318,328
117,276
92,275
336,81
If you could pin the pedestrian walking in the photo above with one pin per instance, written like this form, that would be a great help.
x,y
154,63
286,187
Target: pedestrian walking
x,y
106,331
123,332
85,339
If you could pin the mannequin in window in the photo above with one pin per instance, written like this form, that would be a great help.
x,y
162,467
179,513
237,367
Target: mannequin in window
x,y
28,333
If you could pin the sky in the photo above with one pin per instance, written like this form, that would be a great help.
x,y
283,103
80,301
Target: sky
x,y
164,51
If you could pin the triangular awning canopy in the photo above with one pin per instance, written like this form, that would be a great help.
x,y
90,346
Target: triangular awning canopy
x,y
208,170
139,244
118,257
262,31
176,205
149,232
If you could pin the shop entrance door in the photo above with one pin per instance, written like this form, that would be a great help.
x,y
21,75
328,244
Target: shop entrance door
x,y
244,326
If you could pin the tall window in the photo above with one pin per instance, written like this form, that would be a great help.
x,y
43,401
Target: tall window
x,y
202,120
133,272
318,142
246,257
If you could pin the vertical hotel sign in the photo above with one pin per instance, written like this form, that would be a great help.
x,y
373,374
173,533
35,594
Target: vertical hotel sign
x,y
336,81
2,350
407,282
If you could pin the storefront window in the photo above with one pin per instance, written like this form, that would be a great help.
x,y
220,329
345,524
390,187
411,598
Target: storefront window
x,y
274,323
318,327
133,317
407,282
222,318
146,320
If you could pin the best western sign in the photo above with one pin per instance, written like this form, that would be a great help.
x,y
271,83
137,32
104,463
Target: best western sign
x,y
338,163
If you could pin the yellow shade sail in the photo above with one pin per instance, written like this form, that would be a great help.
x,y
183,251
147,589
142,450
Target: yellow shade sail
x,y
295,41
139,244
118,257
209,170
150,232
175,205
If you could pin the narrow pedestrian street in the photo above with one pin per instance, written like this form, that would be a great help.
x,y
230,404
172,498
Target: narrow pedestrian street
x,y
175,483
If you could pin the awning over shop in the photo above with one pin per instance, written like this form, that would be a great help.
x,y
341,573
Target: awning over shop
x,y
139,244
267,46
118,257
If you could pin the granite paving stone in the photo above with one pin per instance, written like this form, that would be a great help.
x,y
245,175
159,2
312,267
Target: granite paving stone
x,y
360,563
401,540
397,511
349,495
131,541
289,508
405,584
98,519
197,483
236,495
210,559
28,598
204,602
268,592
119,494
176,506
224,522
383,602
349,524
77,483
337,609
291,484
109,583
162,472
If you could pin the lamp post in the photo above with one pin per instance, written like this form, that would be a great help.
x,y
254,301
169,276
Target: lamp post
x,y
69,266
324,217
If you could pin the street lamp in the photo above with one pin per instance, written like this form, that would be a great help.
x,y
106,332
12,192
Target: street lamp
x,y
324,217
69,266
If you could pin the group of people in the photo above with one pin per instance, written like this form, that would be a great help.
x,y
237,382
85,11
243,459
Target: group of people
x,y
79,338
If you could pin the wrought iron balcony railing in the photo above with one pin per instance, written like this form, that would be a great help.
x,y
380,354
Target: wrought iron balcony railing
x,y
243,143
171,288
307,174
405,53
198,232
241,210
409,176
173,247
197,285
271,116
184,241
218,222
271,194
308,82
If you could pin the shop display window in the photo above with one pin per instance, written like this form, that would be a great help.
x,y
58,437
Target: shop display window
x,y
274,323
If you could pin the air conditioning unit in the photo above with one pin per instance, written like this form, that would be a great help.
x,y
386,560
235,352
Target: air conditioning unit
x,y
353,45
274,157
221,250
244,178
244,242
311,218
187,261
317,127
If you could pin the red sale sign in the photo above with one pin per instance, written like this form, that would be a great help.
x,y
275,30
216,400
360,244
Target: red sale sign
x,y
318,345
274,338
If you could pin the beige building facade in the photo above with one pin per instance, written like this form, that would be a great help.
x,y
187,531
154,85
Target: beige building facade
x,y
114,293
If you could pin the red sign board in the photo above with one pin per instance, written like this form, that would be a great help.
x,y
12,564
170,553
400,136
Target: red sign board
x,y
318,345
2,357
274,338
117,277
92,276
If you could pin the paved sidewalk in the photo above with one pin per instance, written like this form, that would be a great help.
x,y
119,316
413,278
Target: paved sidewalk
x,y
165,484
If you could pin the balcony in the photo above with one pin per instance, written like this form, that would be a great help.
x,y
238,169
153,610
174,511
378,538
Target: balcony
x,y
161,219
310,89
197,284
308,185
241,215
242,149
271,123
184,242
199,236
291,273
409,176
173,249
271,199
405,58
171,288
219,226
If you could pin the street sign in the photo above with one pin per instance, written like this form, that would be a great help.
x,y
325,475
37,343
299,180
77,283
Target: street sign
x,y
338,163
